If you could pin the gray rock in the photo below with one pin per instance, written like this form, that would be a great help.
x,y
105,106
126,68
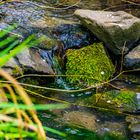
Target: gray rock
x,y
134,126
85,119
72,35
29,60
25,59
93,123
13,67
132,59
11,63
115,29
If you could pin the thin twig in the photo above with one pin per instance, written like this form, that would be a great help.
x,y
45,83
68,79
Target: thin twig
x,y
53,8
123,49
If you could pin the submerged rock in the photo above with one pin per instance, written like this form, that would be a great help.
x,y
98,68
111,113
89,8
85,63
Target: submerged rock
x,y
118,100
118,30
134,126
88,65
132,59
92,122
73,36
82,119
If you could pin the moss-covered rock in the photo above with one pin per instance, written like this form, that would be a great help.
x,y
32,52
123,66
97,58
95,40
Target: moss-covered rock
x,y
115,99
89,65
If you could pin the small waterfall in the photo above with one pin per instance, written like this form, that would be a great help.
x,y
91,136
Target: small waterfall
x,y
53,61
58,70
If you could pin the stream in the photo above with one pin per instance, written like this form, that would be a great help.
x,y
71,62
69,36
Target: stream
x,y
87,118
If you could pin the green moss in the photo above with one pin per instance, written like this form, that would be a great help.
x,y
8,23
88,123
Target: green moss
x,y
91,63
17,71
115,99
125,99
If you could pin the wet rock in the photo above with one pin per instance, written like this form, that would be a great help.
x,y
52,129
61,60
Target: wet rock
x,y
113,128
134,126
83,119
115,29
117,100
91,122
132,59
29,60
48,43
138,100
73,36
90,65
13,67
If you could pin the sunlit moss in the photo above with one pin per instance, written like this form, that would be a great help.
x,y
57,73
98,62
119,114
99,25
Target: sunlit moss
x,y
91,62
122,99
114,99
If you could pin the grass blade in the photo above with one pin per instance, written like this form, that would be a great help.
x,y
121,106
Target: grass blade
x,y
4,32
5,51
36,107
7,41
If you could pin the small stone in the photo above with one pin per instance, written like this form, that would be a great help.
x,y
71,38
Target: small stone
x,y
132,59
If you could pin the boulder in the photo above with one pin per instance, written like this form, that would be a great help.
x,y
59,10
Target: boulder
x,y
132,59
118,30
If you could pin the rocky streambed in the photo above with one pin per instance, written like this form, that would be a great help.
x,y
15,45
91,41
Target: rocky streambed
x,y
98,49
